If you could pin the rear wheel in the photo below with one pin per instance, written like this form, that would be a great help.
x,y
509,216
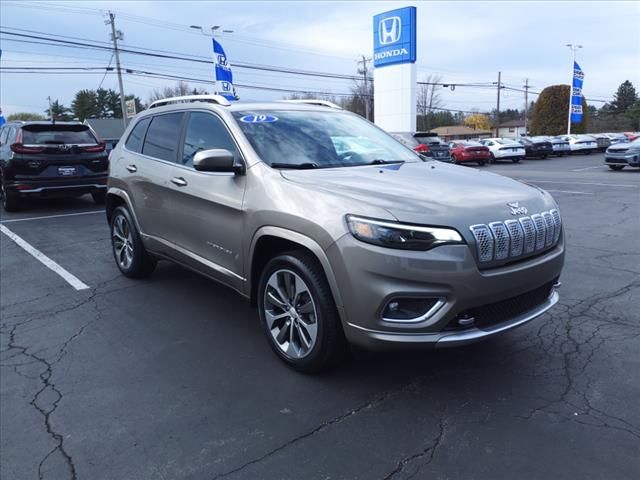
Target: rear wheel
x,y
99,198
128,251
544,157
515,160
10,202
616,167
298,313
481,163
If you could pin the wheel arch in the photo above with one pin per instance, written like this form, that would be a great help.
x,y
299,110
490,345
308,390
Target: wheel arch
x,y
270,241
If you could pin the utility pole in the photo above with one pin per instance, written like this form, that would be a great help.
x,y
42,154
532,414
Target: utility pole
x,y
115,35
364,71
50,112
498,104
526,105
573,49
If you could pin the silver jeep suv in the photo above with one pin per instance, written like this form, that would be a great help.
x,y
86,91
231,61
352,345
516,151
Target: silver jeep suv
x,y
337,232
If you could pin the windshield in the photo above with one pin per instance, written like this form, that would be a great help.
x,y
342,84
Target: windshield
x,y
428,140
505,141
313,139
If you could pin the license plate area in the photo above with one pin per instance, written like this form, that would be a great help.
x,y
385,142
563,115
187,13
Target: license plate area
x,y
66,171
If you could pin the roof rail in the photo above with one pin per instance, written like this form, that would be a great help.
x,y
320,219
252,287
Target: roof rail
x,y
219,99
313,101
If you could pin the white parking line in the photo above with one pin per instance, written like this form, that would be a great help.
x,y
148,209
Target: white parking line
x,y
569,182
586,168
46,261
51,216
570,191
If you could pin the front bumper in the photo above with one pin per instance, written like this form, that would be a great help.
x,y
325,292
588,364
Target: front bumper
x,y
369,277
631,159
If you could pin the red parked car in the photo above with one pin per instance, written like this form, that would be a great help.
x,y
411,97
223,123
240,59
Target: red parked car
x,y
463,151
631,136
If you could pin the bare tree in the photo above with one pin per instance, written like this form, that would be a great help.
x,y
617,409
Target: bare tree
x,y
428,100
181,88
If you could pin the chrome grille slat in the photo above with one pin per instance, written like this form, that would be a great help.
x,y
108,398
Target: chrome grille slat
x,y
501,237
529,234
513,238
556,217
484,242
541,230
517,237
551,227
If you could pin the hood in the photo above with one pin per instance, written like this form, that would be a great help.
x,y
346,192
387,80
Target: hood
x,y
427,193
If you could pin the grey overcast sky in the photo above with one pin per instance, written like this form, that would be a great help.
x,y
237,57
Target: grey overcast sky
x,y
459,41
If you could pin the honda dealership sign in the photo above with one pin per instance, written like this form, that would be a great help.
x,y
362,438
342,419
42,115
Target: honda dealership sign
x,y
394,37
394,76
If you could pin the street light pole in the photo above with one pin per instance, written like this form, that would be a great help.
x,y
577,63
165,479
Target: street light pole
x,y
573,49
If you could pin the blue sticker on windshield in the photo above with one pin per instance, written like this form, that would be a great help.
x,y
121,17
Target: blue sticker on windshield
x,y
258,119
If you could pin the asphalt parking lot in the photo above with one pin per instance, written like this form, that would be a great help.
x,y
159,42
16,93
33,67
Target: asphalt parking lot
x,y
171,378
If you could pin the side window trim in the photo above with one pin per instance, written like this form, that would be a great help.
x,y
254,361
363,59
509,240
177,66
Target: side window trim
x,y
180,135
184,135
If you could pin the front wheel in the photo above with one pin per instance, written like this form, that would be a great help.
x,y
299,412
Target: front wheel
x,y
492,158
128,251
454,159
298,313
616,167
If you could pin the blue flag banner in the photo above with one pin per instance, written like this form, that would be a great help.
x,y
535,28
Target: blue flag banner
x,y
576,94
224,77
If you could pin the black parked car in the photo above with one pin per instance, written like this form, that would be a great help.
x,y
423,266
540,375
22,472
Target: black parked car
x,y
536,148
50,159
427,144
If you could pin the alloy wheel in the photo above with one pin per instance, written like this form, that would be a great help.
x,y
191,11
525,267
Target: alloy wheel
x,y
122,240
290,313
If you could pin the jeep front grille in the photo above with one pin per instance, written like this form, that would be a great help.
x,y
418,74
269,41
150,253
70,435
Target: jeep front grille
x,y
513,238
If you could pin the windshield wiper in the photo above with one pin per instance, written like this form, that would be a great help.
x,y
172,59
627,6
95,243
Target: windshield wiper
x,y
379,161
297,166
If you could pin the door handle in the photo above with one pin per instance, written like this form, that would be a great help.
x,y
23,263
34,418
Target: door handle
x,y
179,181
132,168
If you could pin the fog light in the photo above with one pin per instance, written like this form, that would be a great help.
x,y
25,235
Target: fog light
x,y
408,309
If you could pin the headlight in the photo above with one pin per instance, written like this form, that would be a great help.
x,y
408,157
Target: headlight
x,y
398,235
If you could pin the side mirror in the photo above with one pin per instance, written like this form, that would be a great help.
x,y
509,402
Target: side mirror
x,y
216,160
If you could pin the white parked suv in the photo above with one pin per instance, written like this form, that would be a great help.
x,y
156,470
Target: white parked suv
x,y
504,149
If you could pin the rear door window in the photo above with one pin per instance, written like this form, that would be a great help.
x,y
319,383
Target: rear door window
x,y
205,131
163,136
4,135
136,137
57,134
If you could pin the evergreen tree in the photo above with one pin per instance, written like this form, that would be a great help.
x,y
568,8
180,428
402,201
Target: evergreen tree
x,y
624,97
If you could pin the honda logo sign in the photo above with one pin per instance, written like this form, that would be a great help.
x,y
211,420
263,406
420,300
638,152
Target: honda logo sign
x,y
394,37
389,30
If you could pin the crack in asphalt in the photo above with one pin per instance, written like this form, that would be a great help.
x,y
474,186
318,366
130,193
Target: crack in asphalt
x,y
46,408
428,452
577,355
368,405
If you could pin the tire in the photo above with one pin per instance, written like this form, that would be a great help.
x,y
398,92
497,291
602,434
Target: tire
x,y
454,160
515,160
99,198
10,202
492,158
308,295
481,163
616,167
131,257
544,157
